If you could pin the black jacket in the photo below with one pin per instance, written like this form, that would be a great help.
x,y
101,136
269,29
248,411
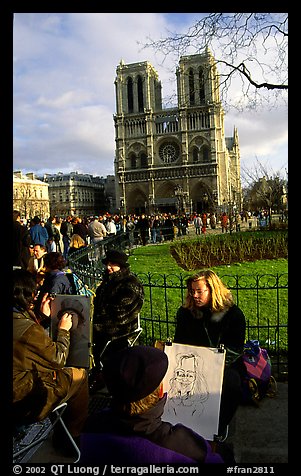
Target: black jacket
x,y
149,425
117,303
21,241
209,329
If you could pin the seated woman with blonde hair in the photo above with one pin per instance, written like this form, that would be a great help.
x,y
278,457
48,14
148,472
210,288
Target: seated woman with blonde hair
x,y
209,317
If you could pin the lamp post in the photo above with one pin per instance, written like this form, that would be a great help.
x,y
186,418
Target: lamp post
x,y
205,201
231,207
151,202
122,206
179,194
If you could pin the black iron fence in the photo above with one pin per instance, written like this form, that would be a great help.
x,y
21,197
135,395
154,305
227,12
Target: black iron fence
x,y
263,299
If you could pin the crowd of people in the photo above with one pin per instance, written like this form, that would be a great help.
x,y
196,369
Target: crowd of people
x,y
56,233
133,375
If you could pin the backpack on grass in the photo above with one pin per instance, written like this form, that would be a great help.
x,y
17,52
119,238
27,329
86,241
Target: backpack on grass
x,y
258,381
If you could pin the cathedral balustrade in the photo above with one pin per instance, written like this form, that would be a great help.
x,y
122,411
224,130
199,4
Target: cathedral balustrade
x,y
165,173
198,120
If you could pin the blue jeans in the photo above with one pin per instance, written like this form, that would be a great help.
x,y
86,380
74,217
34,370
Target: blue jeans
x,y
66,241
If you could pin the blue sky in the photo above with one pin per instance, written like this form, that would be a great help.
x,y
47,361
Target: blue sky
x,y
64,93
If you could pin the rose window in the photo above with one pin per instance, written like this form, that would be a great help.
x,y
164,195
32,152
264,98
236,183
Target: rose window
x,y
169,152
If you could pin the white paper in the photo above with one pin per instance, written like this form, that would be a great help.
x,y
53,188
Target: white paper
x,y
193,383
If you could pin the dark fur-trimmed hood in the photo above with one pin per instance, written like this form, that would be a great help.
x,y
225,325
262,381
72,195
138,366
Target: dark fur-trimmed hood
x,y
117,303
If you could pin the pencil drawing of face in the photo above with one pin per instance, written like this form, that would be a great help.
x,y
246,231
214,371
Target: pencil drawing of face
x,y
185,375
188,379
192,386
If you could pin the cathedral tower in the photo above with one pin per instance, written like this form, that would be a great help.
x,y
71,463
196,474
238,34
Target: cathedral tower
x,y
176,159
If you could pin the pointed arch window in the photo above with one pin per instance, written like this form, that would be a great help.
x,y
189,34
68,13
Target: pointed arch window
x,y
143,159
133,159
130,95
195,155
140,94
191,88
201,85
205,154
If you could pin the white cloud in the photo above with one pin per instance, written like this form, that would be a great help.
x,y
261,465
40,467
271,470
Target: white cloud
x,y
262,136
64,93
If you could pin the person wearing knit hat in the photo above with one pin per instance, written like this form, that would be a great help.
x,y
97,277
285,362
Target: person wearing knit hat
x,y
135,372
133,377
115,257
116,307
79,352
74,306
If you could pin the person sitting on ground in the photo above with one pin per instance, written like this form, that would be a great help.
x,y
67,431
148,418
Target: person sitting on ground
x,y
134,378
40,380
209,317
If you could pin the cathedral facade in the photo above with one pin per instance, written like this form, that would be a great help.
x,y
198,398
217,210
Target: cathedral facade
x,y
175,160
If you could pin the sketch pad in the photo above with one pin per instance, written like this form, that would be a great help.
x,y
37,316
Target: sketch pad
x,y
193,383
80,333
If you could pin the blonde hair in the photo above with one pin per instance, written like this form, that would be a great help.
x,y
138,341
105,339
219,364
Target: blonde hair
x,y
221,296
76,241
140,406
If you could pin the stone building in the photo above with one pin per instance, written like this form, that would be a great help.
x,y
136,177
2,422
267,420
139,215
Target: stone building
x,y
30,195
174,159
78,194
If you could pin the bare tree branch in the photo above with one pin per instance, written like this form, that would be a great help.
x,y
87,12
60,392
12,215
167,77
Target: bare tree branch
x,y
249,47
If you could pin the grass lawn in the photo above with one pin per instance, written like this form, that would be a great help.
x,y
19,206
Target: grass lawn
x,y
157,259
164,281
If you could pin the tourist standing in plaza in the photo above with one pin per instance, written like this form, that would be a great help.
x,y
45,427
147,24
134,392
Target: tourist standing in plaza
x,y
224,222
197,224
38,233
67,232
143,227
212,221
79,228
96,230
21,242
36,262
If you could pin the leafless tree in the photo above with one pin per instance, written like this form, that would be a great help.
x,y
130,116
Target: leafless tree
x,y
264,188
250,50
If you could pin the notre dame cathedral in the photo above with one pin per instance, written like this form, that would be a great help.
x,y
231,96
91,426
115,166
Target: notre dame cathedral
x,y
175,160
